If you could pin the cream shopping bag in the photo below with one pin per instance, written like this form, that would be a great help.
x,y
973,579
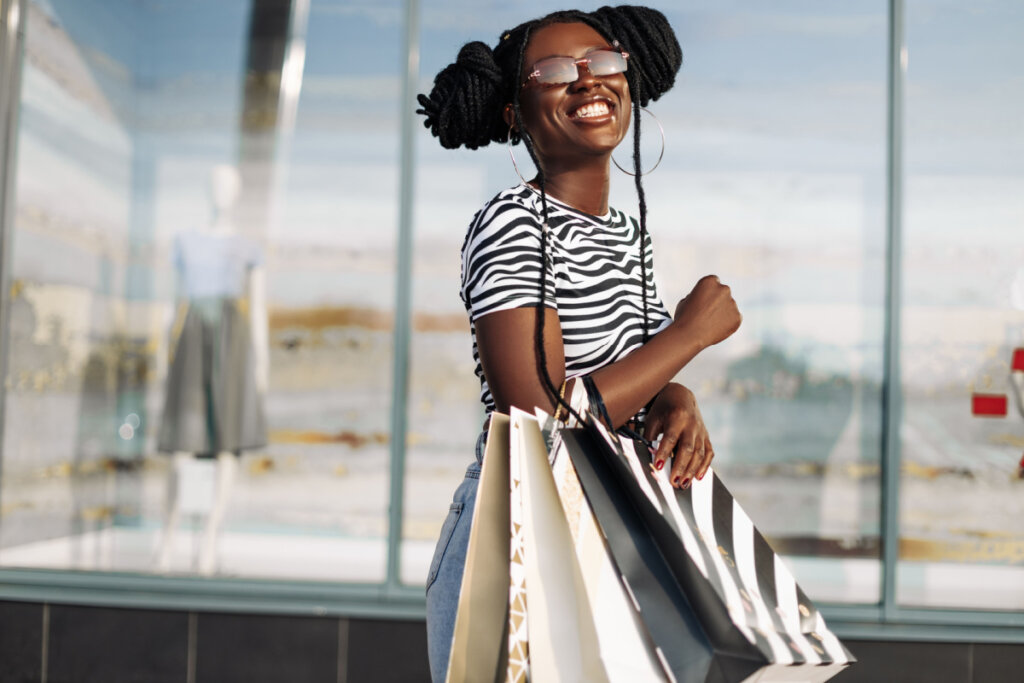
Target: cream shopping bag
x,y
478,645
627,650
563,642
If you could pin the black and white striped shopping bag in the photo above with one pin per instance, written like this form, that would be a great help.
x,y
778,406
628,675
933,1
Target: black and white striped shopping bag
x,y
697,551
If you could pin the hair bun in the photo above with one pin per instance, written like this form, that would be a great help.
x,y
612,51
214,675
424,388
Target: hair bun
x,y
465,98
654,52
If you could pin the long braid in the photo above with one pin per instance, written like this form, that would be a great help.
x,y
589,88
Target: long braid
x,y
655,58
541,351
642,200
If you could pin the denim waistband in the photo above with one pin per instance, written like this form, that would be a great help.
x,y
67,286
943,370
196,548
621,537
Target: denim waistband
x,y
481,443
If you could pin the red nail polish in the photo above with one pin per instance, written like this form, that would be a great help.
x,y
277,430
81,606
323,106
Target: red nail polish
x,y
658,465
686,483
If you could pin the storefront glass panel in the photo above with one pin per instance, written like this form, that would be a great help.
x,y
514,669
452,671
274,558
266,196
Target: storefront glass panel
x,y
773,179
962,351
122,299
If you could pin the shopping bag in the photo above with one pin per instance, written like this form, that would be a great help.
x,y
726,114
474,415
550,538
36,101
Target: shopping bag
x,y
478,650
563,644
693,558
583,564
625,647
524,611
517,625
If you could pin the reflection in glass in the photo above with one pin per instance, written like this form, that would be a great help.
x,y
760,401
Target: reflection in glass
x,y
213,406
444,412
961,537
74,427
126,109
773,178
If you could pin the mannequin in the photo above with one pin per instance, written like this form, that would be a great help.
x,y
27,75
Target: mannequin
x,y
218,377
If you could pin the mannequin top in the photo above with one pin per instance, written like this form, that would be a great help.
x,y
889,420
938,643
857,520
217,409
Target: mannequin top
x,y
215,262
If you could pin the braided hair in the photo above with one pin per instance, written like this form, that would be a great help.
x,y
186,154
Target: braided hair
x,y
465,106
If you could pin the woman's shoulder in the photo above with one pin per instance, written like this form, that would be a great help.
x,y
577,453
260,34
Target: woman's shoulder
x,y
509,214
518,201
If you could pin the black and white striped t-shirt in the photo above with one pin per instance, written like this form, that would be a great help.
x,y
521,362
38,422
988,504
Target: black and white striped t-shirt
x,y
594,282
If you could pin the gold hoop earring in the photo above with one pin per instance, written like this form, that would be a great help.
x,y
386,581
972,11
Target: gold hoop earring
x,y
662,154
513,157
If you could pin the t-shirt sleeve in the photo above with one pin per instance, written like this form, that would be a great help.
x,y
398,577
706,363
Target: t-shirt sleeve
x,y
501,261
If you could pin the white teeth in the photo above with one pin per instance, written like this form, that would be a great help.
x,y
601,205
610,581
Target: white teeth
x,y
593,109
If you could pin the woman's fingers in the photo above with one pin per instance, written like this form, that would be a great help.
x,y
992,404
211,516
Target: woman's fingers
x,y
652,427
684,437
689,453
709,454
666,448
691,461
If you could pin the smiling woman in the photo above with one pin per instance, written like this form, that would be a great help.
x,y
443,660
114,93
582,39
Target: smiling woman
x,y
574,112
558,285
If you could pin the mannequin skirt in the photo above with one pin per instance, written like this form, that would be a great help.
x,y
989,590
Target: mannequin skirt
x,y
212,402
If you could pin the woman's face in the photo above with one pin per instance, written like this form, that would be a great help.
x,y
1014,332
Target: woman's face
x,y
588,117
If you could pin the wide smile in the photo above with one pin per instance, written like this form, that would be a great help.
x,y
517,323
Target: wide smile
x,y
595,110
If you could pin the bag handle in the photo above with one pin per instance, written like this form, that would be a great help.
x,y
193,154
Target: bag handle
x,y
597,406
598,409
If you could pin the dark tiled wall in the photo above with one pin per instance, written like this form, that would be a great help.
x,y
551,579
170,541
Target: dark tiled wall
x,y
105,645
90,644
75,644
914,662
21,641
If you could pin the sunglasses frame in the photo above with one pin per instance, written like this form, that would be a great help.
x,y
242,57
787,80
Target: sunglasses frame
x,y
584,61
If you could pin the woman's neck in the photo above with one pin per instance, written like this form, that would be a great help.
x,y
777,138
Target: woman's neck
x,y
583,187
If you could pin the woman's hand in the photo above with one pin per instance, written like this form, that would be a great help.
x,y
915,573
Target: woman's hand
x,y
675,415
709,311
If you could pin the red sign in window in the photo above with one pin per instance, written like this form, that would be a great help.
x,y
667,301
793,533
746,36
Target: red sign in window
x,y
988,405
996,405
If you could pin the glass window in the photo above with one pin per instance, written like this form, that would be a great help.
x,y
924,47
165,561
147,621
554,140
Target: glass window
x,y
208,192
331,290
961,538
445,413
774,179
203,265
79,355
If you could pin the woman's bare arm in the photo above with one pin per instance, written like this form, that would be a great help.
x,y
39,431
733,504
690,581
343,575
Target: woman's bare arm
x,y
505,340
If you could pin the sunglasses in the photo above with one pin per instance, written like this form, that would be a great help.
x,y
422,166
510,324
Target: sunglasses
x,y
562,70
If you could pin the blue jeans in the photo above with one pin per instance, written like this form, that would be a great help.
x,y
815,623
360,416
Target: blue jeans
x,y
445,578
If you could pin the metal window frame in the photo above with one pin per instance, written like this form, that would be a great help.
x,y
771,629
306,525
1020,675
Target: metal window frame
x,y
12,50
392,599
892,395
403,296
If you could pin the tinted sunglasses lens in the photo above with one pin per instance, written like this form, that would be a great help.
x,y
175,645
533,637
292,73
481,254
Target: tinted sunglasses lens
x,y
556,70
606,63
